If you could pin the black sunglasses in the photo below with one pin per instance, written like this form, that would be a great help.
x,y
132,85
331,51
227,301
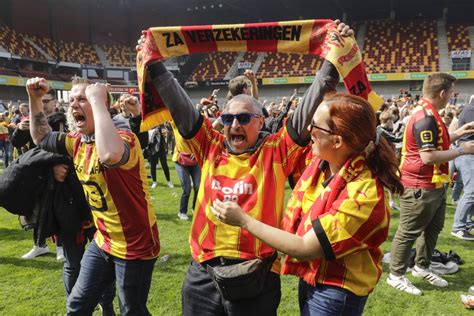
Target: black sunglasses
x,y
242,118
321,129
47,100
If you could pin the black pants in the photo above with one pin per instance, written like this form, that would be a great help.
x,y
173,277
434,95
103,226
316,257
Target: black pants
x,y
153,159
200,296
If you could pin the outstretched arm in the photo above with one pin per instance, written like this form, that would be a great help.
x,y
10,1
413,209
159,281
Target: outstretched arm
x,y
325,81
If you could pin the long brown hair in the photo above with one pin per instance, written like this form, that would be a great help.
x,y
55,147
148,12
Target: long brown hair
x,y
354,120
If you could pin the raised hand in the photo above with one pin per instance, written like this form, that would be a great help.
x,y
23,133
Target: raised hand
x,y
97,93
130,105
250,75
36,87
343,28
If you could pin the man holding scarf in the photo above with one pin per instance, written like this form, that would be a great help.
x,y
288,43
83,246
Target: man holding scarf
x,y
244,165
424,171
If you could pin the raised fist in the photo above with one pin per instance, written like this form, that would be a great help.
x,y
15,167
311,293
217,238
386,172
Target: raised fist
x,y
37,87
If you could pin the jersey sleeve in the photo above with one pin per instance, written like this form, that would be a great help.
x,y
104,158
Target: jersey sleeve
x,y
203,141
425,132
132,145
352,220
285,150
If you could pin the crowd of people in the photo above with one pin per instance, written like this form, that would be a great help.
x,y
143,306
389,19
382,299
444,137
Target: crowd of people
x,y
345,163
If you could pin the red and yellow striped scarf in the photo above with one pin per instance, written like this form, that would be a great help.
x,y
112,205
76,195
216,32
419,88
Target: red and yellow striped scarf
x,y
313,37
298,218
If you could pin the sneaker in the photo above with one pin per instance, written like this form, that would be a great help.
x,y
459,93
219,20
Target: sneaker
x,y
183,217
170,184
448,268
403,284
35,252
462,234
153,185
59,254
429,276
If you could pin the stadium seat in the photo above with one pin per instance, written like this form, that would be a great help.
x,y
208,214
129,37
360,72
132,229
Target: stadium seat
x,y
458,37
214,66
401,46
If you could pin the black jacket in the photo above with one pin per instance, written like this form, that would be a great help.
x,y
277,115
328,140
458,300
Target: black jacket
x,y
28,183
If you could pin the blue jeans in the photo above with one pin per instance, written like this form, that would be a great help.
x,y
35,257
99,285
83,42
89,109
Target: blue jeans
x,y
99,270
462,217
457,187
5,147
324,300
184,174
73,253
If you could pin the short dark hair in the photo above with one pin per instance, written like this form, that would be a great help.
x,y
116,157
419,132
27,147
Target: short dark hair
x,y
52,92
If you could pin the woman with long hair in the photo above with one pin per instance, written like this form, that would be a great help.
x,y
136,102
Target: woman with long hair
x,y
338,214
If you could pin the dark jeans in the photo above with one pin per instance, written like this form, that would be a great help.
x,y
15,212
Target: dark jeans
x,y
201,297
327,300
153,159
73,253
5,147
99,270
185,174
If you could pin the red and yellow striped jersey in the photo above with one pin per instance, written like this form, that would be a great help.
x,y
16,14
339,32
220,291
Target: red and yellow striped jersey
x,y
351,221
425,131
256,181
119,199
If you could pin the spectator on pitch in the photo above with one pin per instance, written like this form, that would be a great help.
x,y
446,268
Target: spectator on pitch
x,y
109,162
5,140
424,171
463,223
246,166
338,268
156,150
21,139
188,170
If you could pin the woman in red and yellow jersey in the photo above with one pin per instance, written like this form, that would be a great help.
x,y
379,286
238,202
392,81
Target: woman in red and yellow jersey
x,y
338,215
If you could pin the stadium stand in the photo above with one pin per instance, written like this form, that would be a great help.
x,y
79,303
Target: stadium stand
x,y
16,44
276,64
401,46
73,52
214,66
458,37
119,55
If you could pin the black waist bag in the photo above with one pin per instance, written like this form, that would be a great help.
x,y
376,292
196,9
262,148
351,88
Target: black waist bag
x,y
242,280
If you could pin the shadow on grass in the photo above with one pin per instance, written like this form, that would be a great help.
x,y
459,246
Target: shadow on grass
x,y
37,263
15,234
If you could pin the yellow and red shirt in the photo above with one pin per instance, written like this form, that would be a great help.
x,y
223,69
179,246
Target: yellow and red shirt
x,y
118,197
350,219
255,180
425,131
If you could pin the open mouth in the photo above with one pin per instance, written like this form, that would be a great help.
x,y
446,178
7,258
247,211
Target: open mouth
x,y
79,119
237,139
